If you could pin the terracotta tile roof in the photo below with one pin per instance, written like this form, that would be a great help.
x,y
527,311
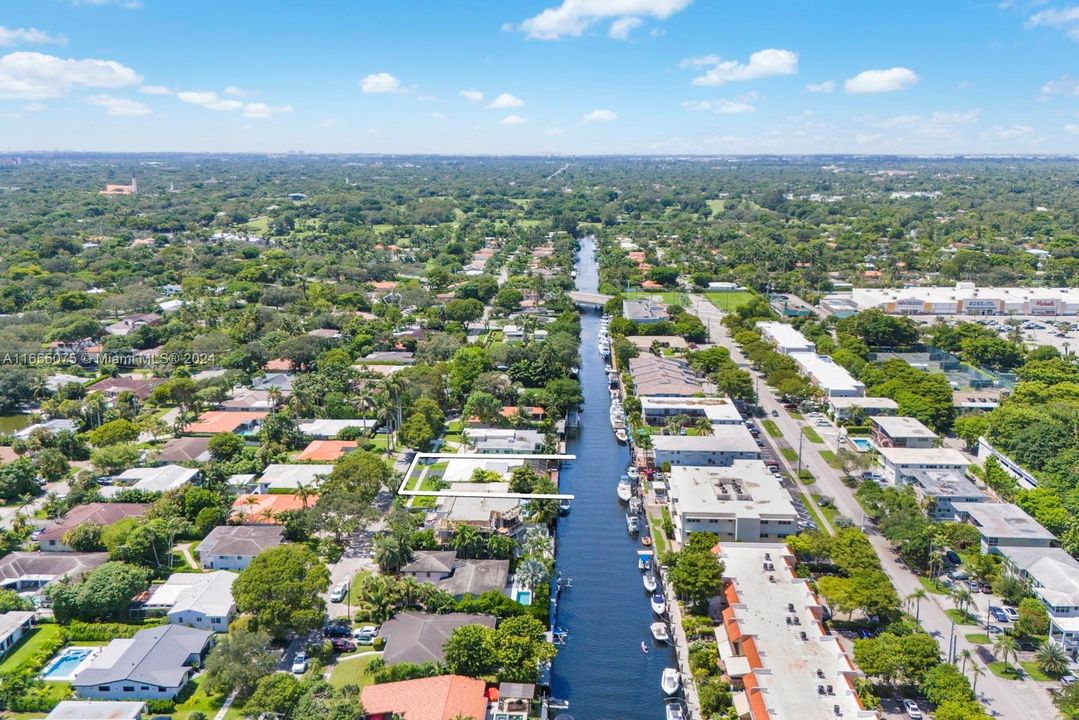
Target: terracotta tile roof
x,y
264,509
326,450
435,698
277,365
219,421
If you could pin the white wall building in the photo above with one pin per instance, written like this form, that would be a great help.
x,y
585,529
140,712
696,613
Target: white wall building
x,y
743,501
785,337
726,444
829,376
900,464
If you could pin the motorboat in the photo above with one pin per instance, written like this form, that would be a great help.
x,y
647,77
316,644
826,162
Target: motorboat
x,y
563,506
649,581
633,472
615,394
646,540
644,560
625,490
557,703
635,506
612,377
659,603
620,435
633,524
675,712
660,633
670,681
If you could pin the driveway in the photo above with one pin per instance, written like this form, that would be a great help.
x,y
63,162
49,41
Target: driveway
x,y
1009,699
345,568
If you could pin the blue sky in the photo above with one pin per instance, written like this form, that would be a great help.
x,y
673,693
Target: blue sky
x,y
542,76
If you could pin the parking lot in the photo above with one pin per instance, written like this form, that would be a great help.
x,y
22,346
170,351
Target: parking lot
x,y
1061,332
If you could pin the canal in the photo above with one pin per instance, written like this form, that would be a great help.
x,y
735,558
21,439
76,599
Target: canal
x,y
601,669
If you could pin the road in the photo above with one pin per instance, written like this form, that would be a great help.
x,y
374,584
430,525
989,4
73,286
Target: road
x,y
1008,699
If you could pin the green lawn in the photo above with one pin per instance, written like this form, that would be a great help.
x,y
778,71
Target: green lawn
x,y
797,415
198,702
717,205
1031,668
39,637
831,459
771,428
998,669
812,435
830,512
352,672
961,618
728,301
978,639
790,454
930,587
667,298
813,511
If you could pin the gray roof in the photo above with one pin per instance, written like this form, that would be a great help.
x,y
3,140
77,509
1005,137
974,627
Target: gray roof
x,y
13,620
475,577
643,310
431,561
156,656
241,540
517,691
47,566
97,710
185,449
98,513
419,637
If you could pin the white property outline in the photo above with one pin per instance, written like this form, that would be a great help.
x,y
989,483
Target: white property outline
x,y
480,456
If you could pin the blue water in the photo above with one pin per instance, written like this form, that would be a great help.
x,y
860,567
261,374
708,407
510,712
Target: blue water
x,y
861,444
601,669
65,663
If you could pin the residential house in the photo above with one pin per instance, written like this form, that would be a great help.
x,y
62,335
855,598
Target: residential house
x,y
140,386
328,429
786,339
718,410
30,571
457,576
1053,577
284,477
161,478
234,547
938,491
223,421
199,600
247,400
266,508
97,710
103,514
1003,525
899,462
49,427
663,377
846,408
184,449
280,381
418,637
326,451
154,664
443,697
131,323
505,441
644,312
13,625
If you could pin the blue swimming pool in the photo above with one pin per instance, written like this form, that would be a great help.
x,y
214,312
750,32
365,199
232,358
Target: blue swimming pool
x,y
860,444
524,597
63,666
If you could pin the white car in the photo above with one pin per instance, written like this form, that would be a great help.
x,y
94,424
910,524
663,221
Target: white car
x,y
1011,612
365,635
913,711
340,592
299,663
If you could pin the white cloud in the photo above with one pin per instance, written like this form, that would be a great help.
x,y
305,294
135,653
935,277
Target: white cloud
x,y
1010,132
155,90
879,81
119,107
505,100
328,123
235,91
29,36
600,116
513,120
553,131
763,63
380,83
438,116
34,107
1071,129
723,107
573,17
1064,19
1064,86
621,28
210,100
262,111
473,96
36,76
823,87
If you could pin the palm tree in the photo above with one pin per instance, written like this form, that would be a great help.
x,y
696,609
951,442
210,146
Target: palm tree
x,y
703,426
1052,659
916,598
967,655
303,491
962,598
936,563
531,573
977,672
391,554
537,543
672,426
1005,648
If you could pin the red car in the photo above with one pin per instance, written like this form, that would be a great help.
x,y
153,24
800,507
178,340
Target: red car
x,y
342,645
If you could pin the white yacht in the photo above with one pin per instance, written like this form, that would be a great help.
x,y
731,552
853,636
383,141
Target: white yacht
x,y
625,489
670,681
649,581
660,633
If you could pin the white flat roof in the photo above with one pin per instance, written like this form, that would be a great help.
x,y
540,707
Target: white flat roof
x,y
158,479
902,426
1004,520
866,403
724,438
945,483
97,710
286,476
785,336
923,456
745,488
826,372
13,620
875,297
1052,569
716,409
789,678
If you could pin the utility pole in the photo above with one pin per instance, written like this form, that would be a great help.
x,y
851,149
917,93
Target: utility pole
x,y
801,436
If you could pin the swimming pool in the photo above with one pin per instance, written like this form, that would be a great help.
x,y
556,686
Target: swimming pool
x,y
860,444
524,597
67,663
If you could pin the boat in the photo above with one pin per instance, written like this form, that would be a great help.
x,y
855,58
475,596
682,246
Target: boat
x,y
557,703
633,472
646,540
612,377
563,506
625,490
644,560
659,603
634,506
633,524
670,681
674,712
660,633
644,647
615,393
649,581
620,435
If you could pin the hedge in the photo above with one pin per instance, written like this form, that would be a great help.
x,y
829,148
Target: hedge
x,y
79,631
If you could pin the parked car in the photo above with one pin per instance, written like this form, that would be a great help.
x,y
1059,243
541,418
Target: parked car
x,y
822,423
994,629
1067,680
998,614
913,711
775,413
337,630
1011,612
340,592
342,645
953,557
299,663
365,635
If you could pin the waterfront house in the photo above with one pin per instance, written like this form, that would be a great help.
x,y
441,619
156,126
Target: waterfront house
x,y
32,571
644,312
417,637
457,576
443,697
724,445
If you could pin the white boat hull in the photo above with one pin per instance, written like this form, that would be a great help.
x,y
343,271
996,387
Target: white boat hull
x,y
670,681
660,633
649,583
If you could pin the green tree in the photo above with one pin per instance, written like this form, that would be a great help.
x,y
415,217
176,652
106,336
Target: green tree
x,y
84,538
225,447
1006,648
239,661
472,651
114,432
416,432
282,589
275,694
1033,618
697,577
104,594
1052,659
